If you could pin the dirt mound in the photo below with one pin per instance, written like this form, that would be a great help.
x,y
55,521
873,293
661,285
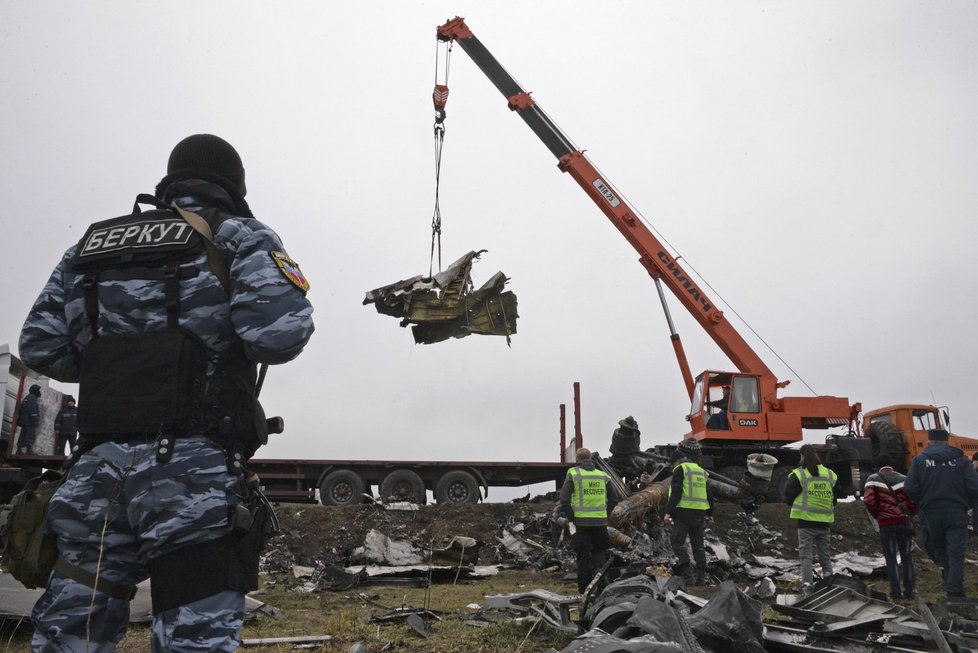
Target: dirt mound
x,y
327,535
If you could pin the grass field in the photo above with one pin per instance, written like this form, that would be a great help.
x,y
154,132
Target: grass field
x,y
346,617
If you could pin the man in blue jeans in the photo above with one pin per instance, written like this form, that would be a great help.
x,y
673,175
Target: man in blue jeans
x,y
945,485
974,508
887,502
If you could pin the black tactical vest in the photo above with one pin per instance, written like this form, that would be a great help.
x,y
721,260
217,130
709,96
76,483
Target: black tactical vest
x,y
147,384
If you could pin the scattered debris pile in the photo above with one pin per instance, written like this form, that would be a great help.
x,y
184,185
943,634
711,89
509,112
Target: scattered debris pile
x,y
751,564
446,306
474,539
642,614
751,561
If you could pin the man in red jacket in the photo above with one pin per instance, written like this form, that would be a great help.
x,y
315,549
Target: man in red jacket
x,y
887,502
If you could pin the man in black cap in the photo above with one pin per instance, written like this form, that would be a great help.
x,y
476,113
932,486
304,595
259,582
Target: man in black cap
x,y
28,419
689,511
945,485
162,317
66,426
587,497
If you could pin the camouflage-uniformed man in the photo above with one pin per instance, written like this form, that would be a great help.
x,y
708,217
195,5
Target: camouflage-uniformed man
x,y
161,317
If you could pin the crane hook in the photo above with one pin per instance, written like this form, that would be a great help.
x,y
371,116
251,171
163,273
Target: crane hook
x,y
439,98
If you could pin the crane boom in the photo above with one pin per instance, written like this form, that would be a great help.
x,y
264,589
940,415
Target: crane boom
x,y
653,254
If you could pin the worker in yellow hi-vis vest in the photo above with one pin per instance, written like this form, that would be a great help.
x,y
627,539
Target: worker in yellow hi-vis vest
x,y
810,491
689,511
587,498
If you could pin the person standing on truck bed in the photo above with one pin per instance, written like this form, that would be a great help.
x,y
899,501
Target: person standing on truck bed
x,y
66,426
945,484
689,511
810,491
162,317
28,419
587,497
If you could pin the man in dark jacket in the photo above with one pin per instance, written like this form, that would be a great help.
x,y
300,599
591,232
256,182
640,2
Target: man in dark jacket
x,y
689,511
28,419
66,426
587,497
942,480
974,508
887,501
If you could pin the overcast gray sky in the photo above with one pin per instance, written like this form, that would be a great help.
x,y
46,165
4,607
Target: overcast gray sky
x,y
814,161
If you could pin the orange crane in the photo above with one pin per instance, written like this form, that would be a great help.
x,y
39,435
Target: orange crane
x,y
731,412
759,414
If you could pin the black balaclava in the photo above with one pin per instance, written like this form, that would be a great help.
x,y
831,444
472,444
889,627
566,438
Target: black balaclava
x,y
209,158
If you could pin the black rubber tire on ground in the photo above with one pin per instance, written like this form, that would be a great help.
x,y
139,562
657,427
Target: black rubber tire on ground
x,y
403,485
457,486
342,487
779,479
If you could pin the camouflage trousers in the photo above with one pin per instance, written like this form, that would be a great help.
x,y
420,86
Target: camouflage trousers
x,y
117,510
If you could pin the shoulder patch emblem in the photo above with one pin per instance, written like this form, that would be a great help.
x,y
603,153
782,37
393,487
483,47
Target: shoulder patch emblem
x,y
290,270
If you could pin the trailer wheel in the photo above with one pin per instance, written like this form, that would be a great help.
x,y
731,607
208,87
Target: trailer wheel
x,y
457,486
403,485
342,487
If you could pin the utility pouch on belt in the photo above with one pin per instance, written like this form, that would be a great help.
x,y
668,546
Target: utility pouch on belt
x,y
229,563
28,553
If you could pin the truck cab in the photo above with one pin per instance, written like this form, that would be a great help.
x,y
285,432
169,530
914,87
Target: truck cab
x,y
900,431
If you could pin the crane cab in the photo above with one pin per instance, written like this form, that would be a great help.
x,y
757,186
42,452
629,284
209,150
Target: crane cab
x,y
727,406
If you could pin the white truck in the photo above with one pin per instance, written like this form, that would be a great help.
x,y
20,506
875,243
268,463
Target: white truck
x,y
15,380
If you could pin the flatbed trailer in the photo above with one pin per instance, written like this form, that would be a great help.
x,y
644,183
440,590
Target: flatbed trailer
x,y
329,481
345,482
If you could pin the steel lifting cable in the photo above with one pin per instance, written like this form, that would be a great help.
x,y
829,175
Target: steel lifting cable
x,y
439,98
572,146
706,283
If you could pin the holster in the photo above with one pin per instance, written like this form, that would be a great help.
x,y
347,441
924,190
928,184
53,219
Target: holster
x,y
195,572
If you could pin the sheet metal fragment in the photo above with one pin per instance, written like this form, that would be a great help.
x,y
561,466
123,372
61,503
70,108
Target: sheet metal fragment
x,y
446,306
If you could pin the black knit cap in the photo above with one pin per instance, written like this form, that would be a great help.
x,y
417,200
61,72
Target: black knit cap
x,y
210,154
937,435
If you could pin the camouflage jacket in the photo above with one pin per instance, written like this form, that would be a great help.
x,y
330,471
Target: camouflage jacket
x,y
263,317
